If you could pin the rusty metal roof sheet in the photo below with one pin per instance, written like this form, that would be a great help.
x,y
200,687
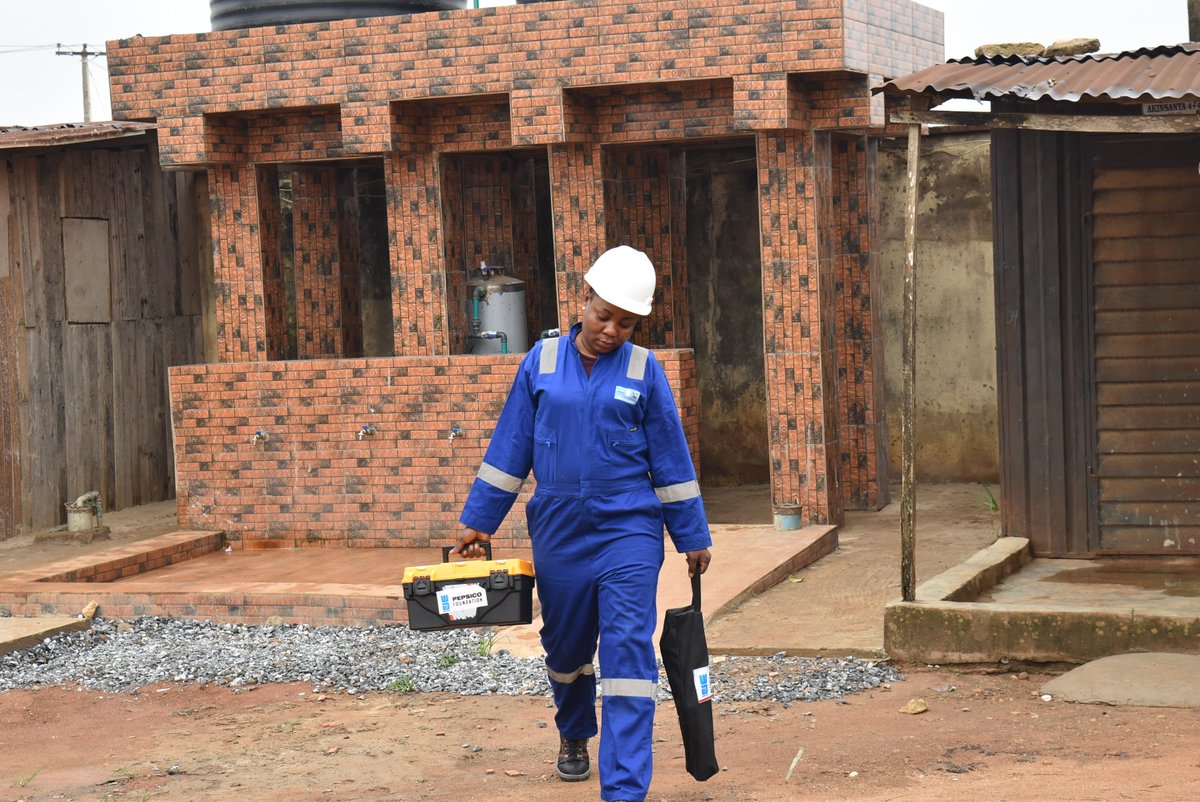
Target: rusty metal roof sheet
x,y
1135,76
43,136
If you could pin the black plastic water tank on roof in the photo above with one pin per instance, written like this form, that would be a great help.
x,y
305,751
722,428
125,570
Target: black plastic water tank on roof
x,y
230,14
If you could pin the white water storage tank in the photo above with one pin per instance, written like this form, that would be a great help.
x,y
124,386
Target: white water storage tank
x,y
500,301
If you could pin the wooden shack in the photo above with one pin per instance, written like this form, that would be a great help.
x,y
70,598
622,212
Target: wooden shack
x,y
1096,212
102,267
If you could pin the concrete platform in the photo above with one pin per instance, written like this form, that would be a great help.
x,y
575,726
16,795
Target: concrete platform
x,y
815,591
192,575
1003,604
747,560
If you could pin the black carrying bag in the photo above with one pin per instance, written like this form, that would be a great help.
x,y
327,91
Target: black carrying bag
x,y
685,656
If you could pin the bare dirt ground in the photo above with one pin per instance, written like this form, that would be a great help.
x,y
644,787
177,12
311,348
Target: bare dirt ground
x,y
984,737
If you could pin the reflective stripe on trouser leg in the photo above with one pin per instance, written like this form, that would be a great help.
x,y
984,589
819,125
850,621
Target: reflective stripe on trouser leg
x,y
629,676
575,702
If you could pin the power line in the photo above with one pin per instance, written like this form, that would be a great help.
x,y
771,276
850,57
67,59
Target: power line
x,y
23,48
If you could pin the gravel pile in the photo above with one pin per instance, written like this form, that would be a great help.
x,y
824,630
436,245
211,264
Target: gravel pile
x,y
122,656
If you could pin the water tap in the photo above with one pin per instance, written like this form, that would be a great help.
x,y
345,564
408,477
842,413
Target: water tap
x,y
367,430
261,436
454,432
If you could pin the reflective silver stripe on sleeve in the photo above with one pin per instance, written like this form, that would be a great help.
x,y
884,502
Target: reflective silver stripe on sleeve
x,y
637,363
680,492
644,688
586,668
499,479
548,362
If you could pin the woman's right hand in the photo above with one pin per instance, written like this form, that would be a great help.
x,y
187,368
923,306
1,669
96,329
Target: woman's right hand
x,y
469,543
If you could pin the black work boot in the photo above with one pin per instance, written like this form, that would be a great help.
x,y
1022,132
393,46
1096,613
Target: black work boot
x,y
573,761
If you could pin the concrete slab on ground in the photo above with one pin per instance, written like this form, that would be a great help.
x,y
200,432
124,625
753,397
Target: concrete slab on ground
x,y
1044,610
1144,680
835,606
1003,604
21,633
746,561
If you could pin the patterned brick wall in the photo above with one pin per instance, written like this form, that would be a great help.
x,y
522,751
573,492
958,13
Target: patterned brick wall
x,y
577,187
642,202
798,294
527,52
237,274
415,230
317,265
314,481
275,303
349,262
586,83
855,200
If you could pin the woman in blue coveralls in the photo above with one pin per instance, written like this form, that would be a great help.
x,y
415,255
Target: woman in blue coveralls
x,y
594,417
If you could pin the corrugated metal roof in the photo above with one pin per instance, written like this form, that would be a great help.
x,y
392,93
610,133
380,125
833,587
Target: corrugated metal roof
x,y
1135,76
42,136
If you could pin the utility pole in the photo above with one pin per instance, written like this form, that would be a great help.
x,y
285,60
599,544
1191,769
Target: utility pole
x,y
1194,20
87,89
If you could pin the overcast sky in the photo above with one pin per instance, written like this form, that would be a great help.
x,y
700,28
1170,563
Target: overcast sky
x,y
38,87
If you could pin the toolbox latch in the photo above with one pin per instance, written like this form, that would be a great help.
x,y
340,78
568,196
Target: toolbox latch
x,y
421,586
499,580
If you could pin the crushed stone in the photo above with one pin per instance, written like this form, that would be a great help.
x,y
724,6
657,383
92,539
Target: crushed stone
x,y
124,656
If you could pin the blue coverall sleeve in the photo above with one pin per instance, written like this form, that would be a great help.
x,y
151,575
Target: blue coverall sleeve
x,y
671,469
509,455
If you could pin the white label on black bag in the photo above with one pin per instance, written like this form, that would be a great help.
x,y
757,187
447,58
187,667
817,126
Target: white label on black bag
x,y
461,601
703,686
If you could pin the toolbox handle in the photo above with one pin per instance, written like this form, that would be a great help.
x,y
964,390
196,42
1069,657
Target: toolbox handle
x,y
487,550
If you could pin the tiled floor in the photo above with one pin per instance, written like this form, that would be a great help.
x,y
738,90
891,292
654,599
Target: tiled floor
x,y
361,586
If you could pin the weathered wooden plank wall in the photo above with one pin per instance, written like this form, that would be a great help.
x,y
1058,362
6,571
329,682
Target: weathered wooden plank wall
x,y
10,301
1146,237
91,410
1042,339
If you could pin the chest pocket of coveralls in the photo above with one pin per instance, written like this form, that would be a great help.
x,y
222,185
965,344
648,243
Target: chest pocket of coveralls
x,y
626,448
545,454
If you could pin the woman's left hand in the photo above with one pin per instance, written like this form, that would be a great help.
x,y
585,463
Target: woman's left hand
x,y
698,560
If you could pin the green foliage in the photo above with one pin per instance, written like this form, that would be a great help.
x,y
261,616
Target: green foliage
x,y
402,685
991,503
486,644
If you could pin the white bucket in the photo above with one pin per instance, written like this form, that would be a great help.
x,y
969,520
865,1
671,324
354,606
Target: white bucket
x,y
80,518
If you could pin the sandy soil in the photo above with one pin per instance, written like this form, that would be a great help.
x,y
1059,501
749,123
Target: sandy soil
x,y
984,737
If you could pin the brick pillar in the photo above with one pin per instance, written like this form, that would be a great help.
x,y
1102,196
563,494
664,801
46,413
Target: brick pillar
x,y
350,262
855,201
798,325
274,287
315,266
577,196
237,270
418,272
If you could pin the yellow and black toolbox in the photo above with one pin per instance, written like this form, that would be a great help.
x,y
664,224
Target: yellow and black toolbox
x,y
470,593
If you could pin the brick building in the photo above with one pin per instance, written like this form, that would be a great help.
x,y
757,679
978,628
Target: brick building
x,y
359,170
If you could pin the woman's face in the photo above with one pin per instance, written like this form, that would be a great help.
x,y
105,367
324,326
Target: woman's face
x,y
605,327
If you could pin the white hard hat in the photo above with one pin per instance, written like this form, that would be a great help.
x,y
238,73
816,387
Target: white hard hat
x,y
624,277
